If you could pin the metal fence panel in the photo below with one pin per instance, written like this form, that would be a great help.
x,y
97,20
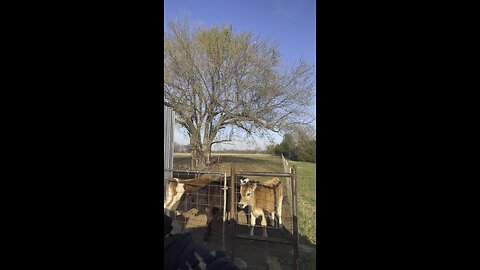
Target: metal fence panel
x,y
203,200
287,233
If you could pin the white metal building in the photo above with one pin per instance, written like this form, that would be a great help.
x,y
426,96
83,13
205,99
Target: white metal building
x,y
168,127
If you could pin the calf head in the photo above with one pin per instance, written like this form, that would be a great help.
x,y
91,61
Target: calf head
x,y
244,181
247,194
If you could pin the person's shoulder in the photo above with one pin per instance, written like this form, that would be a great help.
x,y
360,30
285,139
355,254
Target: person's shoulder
x,y
176,244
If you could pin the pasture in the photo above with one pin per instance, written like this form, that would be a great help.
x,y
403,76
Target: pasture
x,y
306,185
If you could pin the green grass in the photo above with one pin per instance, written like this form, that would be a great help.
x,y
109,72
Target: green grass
x,y
307,209
306,192
306,188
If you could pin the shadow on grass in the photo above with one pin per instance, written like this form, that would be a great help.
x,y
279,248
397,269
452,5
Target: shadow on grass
x,y
307,250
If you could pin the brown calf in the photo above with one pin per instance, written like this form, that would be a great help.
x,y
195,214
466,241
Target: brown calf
x,y
262,197
177,187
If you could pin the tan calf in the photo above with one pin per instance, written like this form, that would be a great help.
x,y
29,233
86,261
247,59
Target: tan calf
x,y
267,196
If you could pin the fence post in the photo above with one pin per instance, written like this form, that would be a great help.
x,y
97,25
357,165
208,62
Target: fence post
x,y
233,214
293,177
288,180
224,210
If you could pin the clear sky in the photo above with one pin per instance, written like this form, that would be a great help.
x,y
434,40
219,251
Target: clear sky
x,y
291,23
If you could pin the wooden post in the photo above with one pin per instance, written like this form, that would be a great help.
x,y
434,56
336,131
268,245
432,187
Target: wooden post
x,y
224,210
293,177
233,177
233,214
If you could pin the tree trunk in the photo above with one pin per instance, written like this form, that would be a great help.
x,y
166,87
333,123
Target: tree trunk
x,y
200,155
200,159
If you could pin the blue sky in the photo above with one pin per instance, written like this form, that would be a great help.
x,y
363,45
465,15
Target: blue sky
x,y
291,23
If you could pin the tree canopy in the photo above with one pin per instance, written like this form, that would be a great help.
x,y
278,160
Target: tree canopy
x,y
224,85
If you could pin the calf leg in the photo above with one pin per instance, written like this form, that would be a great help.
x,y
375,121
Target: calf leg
x,y
165,210
208,232
247,214
252,222
264,225
279,210
170,192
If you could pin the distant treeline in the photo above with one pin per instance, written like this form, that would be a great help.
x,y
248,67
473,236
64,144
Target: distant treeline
x,y
301,150
296,147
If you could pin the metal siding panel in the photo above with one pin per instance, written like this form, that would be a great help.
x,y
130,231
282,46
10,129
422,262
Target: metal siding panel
x,y
168,140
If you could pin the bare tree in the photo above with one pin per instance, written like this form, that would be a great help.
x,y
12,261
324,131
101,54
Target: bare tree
x,y
222,85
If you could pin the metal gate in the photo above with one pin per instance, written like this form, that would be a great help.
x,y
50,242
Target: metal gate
x,y
289,229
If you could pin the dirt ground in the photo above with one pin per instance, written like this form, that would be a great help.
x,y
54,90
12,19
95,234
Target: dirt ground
x,y
258,255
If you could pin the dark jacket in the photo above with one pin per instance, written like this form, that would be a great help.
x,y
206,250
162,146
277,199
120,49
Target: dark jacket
x,y
181,252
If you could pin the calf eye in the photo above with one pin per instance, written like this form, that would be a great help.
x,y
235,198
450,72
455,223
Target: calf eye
x,y
248,194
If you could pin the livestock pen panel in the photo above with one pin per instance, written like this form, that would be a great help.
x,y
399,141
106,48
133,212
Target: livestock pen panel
x,y
198,202
271,200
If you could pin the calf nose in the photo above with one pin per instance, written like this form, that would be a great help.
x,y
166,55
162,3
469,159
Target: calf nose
x,y
241,205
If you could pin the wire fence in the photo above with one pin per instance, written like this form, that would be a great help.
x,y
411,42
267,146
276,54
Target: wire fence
x,y
197,201
202,202
267,198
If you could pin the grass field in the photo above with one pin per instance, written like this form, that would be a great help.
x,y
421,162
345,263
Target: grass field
x,y
306,188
